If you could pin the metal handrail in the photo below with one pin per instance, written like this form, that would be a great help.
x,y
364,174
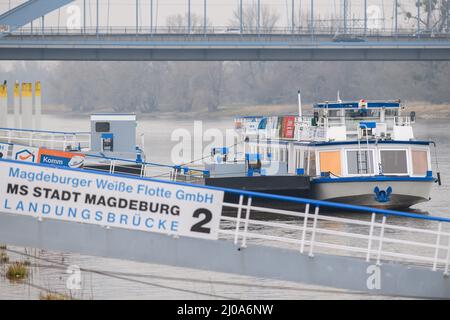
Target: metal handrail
x,y
45,131
376,237
318,29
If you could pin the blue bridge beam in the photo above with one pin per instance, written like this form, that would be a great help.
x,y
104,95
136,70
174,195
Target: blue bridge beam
x,y
27,12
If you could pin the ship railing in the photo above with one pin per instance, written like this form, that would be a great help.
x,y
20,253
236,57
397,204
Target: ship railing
x,y
403,121
375,235
57,140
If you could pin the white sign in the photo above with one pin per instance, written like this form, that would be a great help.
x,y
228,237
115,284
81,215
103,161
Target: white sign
x,y
107,200
4,147
25,154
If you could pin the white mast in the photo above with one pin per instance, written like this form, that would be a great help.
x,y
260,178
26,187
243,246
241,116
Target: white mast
x,y
339,97
299,104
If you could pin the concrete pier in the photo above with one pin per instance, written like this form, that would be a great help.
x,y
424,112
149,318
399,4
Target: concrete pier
x,y
37,106
16,105
27,105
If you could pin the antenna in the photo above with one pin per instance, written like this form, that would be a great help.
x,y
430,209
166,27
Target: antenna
x,y
339,97
299,104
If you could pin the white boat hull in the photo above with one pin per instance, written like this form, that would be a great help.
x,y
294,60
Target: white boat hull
x,y
381,194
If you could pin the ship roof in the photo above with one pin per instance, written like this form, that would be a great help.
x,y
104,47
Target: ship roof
x,y
357,105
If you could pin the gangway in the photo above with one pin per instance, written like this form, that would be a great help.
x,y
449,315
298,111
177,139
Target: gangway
x,y
372,250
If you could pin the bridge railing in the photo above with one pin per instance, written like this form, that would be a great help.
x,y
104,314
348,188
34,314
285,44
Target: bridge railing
x,y
318,29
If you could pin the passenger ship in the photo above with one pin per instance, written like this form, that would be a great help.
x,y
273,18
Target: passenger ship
x,y
361,153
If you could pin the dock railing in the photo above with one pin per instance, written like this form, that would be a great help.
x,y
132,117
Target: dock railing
x,y
376,235
57,140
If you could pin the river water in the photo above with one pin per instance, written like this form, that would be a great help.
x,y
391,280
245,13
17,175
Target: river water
x,y
116,279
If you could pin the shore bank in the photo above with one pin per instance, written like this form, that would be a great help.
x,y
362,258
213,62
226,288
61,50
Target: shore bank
x,y
424,110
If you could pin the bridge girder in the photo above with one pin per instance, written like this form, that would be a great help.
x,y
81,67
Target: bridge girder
x,y
155,53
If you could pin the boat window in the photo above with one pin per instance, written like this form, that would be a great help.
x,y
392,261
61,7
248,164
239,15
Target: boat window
x,y
420,162
360,162
298,155
362,113
394,161
391,112
334,113
330,161
102,127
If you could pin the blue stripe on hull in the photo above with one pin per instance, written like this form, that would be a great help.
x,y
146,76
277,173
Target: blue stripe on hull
x,y
396,201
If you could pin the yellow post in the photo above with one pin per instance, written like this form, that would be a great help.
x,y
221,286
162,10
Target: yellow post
x,y
4,105
37,106
17,105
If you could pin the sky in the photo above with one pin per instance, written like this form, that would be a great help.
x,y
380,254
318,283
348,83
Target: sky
x,y
123,12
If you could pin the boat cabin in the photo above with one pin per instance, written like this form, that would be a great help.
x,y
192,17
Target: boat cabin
x,y
341,139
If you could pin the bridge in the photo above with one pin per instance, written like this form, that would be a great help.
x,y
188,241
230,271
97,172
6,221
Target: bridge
x,y
318,40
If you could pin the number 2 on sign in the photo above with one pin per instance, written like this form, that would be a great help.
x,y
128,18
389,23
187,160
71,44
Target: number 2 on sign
x,y
206,218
